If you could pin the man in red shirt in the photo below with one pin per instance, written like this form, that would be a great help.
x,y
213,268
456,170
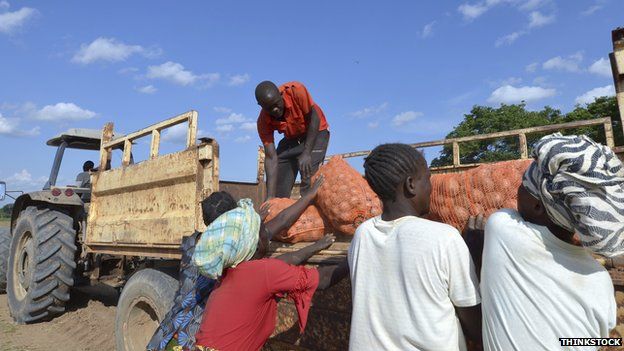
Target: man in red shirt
x,y
290,110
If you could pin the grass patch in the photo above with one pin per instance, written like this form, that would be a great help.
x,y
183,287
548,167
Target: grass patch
x,y
5,222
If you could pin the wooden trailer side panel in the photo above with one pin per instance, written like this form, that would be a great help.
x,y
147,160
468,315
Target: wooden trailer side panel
x,y
150,203
145,209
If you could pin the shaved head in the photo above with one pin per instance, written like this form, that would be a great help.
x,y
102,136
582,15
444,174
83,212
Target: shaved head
x,y
266,91
270,98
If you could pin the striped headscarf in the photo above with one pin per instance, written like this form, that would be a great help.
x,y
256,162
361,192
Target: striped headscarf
x,y
230,239
581,184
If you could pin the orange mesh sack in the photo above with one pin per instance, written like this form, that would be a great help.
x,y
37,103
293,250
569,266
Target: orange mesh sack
x,y
310,226
345,197
485,189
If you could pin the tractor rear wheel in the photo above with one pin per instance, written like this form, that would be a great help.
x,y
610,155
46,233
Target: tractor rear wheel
x,y
41,264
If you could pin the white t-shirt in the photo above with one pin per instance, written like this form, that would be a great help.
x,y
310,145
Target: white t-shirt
x,y
537,288
407,275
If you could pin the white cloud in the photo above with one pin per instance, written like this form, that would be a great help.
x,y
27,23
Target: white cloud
x,y
591,95
570,63
598,5
405,117
509,94
225,128
472,11
12,21
540,81
4,5
232,118
532,67
10,127
249,126
175,73
24,180
242,139
23,177
238,79
509,38
109,50
369,111
601,67
427,30
475,10
63,111
536,19
528,5
373,125
148,89
222,109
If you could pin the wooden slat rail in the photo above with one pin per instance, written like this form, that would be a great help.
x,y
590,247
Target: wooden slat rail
x,y
520,133
154,130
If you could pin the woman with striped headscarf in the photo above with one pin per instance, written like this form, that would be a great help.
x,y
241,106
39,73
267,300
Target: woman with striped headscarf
x,y
539,280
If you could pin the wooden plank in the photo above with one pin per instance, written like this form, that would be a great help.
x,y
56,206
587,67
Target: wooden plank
x,y
619,87
524,151
261,161
155,145
191,135
619,61
167,168
456,161
608,129
140,251
127,153
185,117
105,153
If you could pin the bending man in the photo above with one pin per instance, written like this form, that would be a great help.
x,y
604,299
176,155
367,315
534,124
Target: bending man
x,y
290,110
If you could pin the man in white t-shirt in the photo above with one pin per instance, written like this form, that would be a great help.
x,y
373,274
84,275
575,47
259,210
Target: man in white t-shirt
x,y
538,282
413,281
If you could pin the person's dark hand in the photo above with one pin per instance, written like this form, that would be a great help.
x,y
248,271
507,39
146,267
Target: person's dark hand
x,y
474,238
265,209
476,223
316,185
305,164
325,242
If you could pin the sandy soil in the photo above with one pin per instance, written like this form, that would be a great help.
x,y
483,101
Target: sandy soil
x,y
88,324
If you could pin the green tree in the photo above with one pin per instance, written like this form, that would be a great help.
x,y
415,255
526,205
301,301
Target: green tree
x,y
5,212
484,120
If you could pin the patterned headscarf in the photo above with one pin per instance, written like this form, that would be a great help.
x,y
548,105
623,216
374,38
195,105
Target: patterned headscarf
x,y
231,239
581,184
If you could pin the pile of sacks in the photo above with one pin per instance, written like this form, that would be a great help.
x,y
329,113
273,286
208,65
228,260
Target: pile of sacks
x,y
345,199
343,202
482,190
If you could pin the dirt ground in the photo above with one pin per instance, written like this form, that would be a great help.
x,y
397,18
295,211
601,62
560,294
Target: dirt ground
x,y
89,324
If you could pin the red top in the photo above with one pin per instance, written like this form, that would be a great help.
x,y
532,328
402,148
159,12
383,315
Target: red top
x,y
241,311
297,104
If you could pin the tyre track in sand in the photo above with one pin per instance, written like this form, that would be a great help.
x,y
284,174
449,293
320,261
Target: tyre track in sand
x,y
88,324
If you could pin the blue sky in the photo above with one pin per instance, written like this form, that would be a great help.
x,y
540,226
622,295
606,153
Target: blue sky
x,y
383,72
